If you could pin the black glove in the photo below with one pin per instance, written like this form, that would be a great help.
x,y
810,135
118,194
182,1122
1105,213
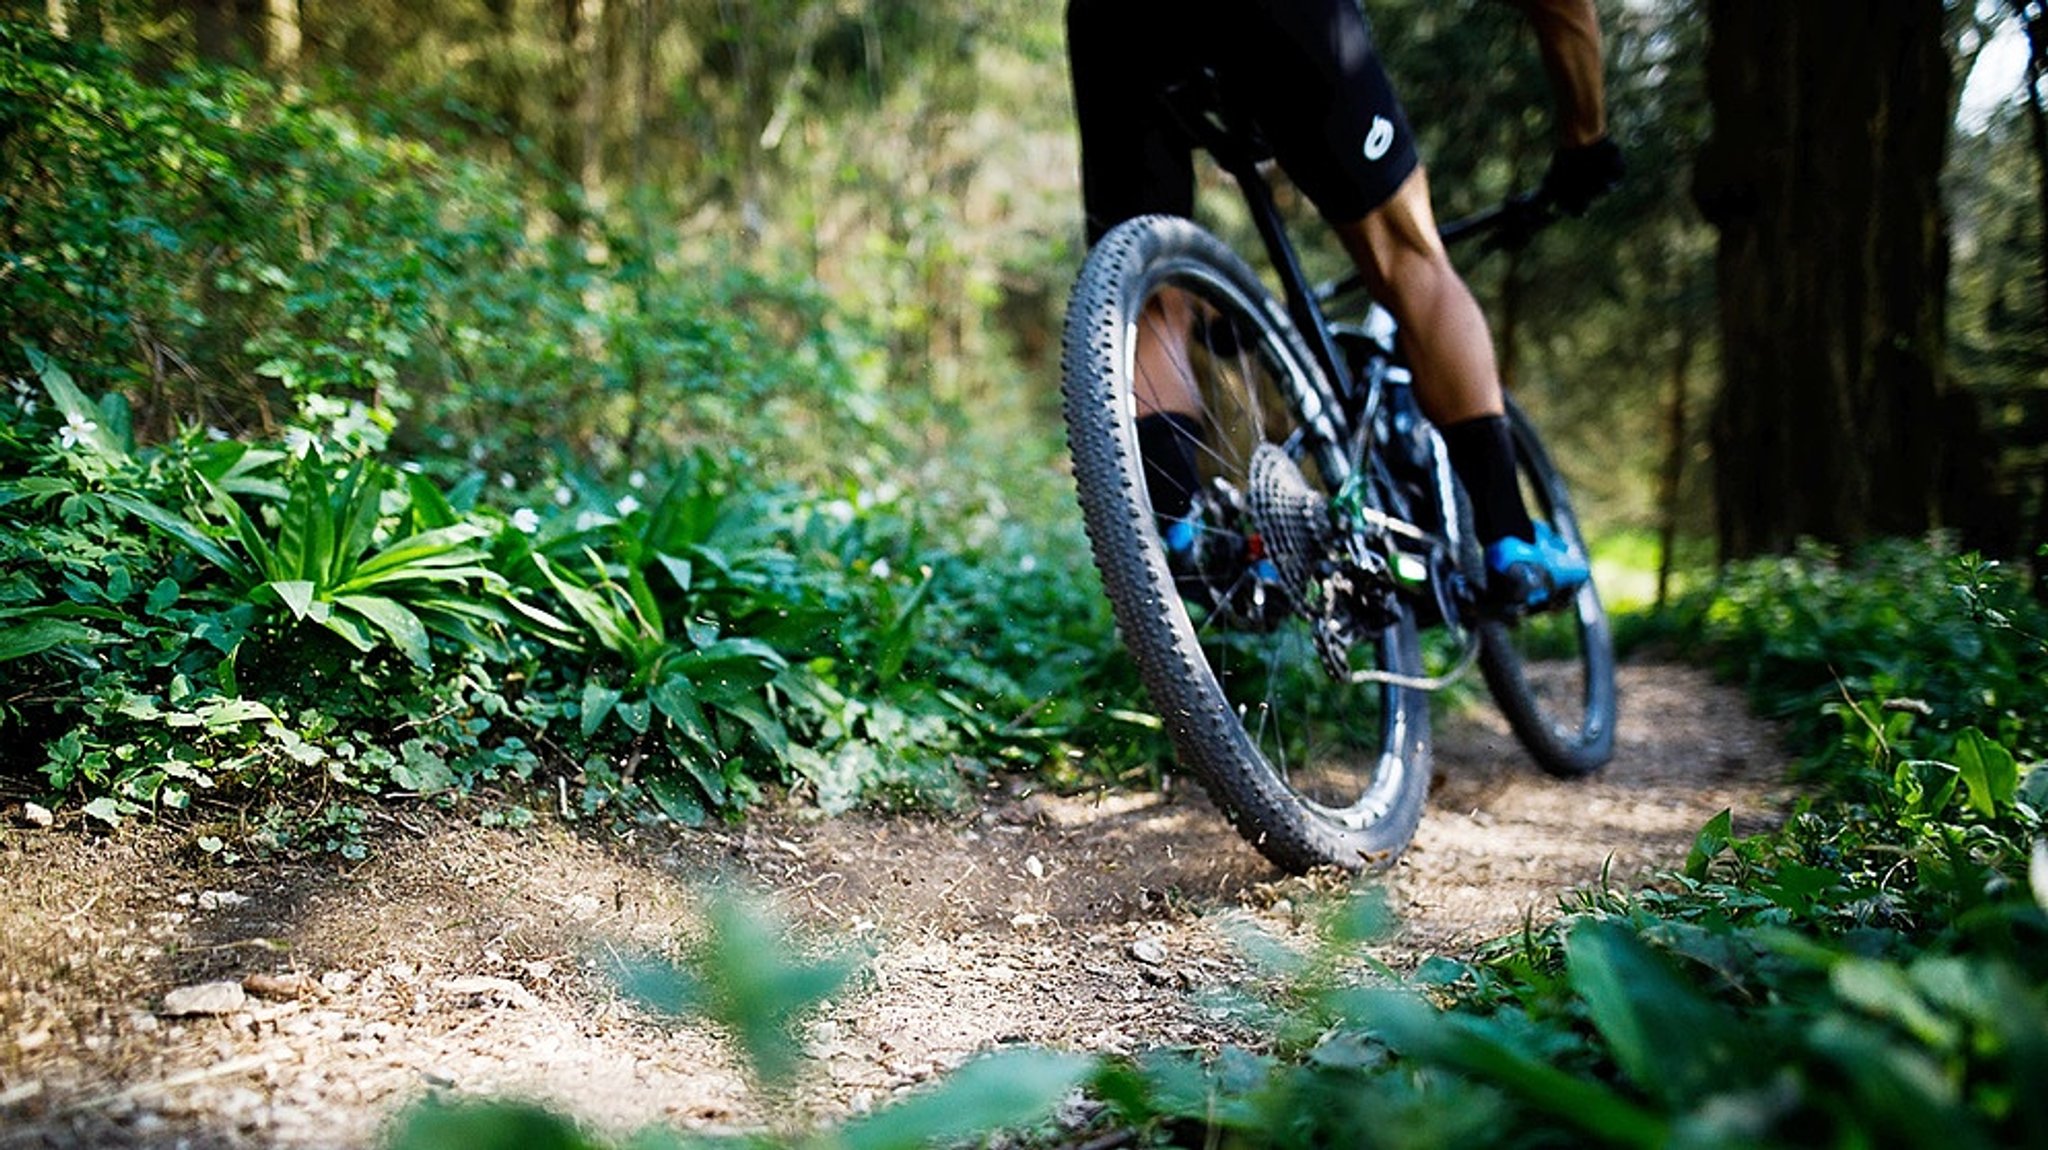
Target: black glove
x,y
1578,176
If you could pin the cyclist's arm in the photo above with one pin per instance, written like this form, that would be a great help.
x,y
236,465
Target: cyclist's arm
x,y
1568,33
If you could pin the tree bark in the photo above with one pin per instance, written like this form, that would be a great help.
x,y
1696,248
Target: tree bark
x,y
2034,19
1671,480
223,31
282,39
1823,178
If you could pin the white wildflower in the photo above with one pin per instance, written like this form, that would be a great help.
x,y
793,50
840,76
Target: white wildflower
x,y
1028,564
563,497
628,505
526,520
880,570
298,441
506,481
24,396
76,428
637,480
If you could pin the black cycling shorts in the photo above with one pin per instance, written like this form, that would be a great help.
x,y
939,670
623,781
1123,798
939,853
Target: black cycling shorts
x,y
1304,69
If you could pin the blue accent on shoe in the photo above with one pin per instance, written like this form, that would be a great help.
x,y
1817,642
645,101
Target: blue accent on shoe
x,y
1533,574
1265,572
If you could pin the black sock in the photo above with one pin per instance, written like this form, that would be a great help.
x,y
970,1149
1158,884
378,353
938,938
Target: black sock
x,y
1167,442
1483,455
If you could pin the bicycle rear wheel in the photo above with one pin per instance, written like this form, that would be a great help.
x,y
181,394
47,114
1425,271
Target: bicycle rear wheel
x,y
1552,674
1312,767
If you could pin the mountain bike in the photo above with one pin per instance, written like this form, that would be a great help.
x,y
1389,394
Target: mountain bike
x,y
1283,647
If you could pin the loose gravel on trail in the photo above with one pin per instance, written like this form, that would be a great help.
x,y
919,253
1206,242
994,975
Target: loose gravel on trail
x,y
149,997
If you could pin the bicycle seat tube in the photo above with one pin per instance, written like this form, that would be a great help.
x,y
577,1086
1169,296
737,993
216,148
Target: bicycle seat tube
x,y
1204,114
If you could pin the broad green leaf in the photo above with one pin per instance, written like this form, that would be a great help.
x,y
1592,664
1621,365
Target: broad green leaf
x,y
404,627
82,413
1708,844
297,595
351,627
896,640
235,467
34,636
439,1125
1882,990
606,622
425,546
190,534
1419,1031
430,509
305,534
1926,785
766,727
455,567
637,714
678,570
1000,1092
598,701
222,714
676,697
1898,1088
678,799
1638,1003
259,549
360,500
1991,777
105,810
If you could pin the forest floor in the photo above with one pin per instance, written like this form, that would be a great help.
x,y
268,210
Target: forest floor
x,y
469,962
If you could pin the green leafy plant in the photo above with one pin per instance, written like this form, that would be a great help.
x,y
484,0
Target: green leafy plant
x,y
328,563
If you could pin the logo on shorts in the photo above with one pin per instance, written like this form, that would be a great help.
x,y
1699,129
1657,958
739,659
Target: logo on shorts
x,y
1379,139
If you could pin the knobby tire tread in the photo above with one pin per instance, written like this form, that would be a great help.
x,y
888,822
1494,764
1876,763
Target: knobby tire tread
x,y
1150,616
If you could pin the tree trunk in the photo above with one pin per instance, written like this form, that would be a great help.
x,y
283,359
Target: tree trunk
x,y
223,31
2034,18
281,37
578,92
1823,178
1670,483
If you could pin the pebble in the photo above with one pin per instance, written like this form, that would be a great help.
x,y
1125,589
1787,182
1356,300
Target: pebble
x,y
205,998
1149,951
37,815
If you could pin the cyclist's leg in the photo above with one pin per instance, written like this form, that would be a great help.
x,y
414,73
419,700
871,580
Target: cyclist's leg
x,y
1135,162
1323,100
1457,379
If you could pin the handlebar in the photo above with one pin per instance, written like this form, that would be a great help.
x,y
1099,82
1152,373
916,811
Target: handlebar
x,y
1506,227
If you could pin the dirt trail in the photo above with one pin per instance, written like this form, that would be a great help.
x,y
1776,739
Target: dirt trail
x,y
469,961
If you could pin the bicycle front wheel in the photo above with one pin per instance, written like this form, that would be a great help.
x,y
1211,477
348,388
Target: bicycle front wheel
x,y
1311,762
1552,674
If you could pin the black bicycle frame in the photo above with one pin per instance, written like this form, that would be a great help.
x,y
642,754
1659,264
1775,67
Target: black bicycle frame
x,y
1209,124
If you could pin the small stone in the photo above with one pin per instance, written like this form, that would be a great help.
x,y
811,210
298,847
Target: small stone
x,y
205,998
1149,951
37,815
337,981
220,899
278,985
480,987
1035,867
